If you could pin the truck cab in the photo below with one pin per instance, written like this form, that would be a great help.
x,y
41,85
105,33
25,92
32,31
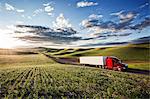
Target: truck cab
x,y
115,64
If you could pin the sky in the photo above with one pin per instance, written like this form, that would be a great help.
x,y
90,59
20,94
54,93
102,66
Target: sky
x,y
72,23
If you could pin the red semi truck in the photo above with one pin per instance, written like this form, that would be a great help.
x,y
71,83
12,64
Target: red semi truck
x,y
108,62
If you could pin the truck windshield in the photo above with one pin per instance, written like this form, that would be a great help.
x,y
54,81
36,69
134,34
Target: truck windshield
x,y
117,60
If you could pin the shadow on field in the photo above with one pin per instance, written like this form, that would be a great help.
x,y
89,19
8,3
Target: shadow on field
x,y
138,71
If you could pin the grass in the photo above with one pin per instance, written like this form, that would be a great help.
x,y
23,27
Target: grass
x,y
124,53
23,60
141,65
53,80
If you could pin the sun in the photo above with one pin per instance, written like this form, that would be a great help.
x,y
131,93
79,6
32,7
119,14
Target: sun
x,y
7,40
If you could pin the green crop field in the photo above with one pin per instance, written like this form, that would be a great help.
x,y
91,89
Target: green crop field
x,y
33,75
67,81
36,76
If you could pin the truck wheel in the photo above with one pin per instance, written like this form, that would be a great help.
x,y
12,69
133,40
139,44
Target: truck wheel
x,y
119,69
103,67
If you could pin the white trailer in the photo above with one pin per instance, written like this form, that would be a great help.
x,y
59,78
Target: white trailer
x,y
93,60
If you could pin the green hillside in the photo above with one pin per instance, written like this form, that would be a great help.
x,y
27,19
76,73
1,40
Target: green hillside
x,y
138,52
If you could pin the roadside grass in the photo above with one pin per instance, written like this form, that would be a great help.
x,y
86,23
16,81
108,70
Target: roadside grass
x,y
142,66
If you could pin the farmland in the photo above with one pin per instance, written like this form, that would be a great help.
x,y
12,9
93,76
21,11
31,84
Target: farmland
x,y
57,80
33,75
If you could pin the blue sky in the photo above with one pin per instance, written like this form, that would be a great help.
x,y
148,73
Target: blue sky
x,y
92,21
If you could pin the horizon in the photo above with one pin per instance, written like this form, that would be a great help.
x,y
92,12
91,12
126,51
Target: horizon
x,y
73,24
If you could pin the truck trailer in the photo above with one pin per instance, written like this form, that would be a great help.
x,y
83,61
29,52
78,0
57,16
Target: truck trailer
x,y
107,62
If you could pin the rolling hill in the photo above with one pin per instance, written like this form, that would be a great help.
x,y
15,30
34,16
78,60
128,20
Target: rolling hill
x,y
132,52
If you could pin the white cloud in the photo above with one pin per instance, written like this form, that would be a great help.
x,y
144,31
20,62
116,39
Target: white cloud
x,y
9,7
125,16
61,22
50,14
84,23
46,4
86,4
94,16
37,11
49,8
142,6
97,30
117,13
12,8
20,10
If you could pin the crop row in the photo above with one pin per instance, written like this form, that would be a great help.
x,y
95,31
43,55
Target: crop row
x,y
71,82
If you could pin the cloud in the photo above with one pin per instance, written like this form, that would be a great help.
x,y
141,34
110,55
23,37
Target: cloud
x,y
88,23
144,5
86,4
99,29
108,44
48,9
9,7
126,17
37,11
61,22
12,8
20,10
145,23
117,13
46,4
141,40
98,25
95,16
43,34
